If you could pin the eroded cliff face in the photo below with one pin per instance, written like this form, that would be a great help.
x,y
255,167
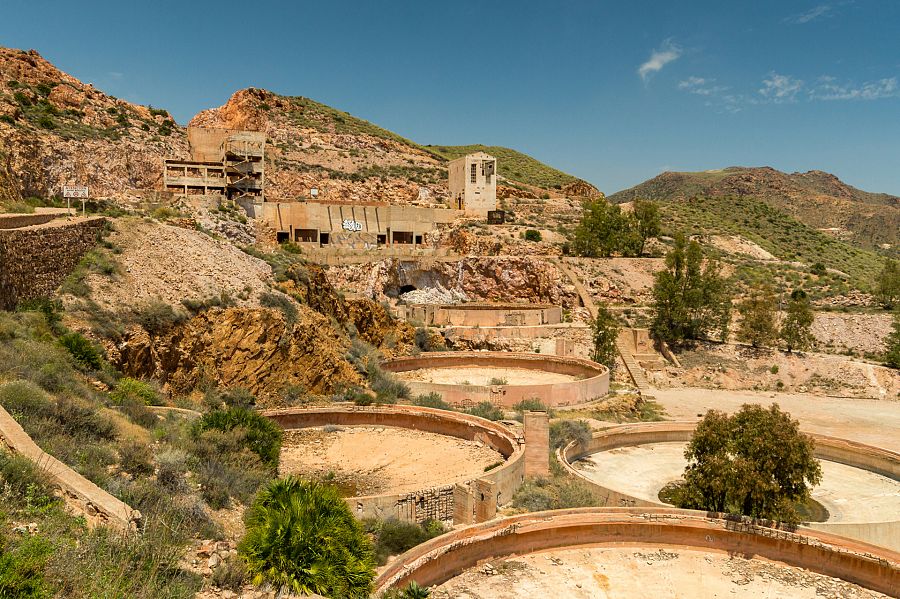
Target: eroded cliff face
x,y
493,279
254,348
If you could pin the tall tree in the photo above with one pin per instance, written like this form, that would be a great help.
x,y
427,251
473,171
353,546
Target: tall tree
x,y
599,233
888,284
893,343
754,463
646,214
796,330
605,331
690,300
759,316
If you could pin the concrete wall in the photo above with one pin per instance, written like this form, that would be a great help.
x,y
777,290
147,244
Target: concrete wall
x,y
476,197
435,503
80,494
16,221
594,384
444,557
483,315
34,260
851,453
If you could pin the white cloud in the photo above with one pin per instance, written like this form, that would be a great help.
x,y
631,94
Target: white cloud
x,y
659,58
829,88
780,88
701,86
817,12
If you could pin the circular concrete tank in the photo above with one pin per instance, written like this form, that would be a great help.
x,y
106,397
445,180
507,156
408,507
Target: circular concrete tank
x,y
502,378
432,501
860,487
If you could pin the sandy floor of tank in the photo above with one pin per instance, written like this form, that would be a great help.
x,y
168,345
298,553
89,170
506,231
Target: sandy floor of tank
x,y
849,494
638,572
364,460
477,375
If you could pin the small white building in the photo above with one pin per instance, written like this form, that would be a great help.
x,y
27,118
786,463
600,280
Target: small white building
x,y
473,184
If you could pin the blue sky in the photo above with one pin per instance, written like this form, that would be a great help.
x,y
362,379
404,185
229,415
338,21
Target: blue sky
x,y
614,92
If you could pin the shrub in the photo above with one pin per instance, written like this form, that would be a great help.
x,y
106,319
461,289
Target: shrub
x,y
133,390
171,467
499,381
393,537
427,340
432,400
135,459
532,235
302,538
83,351
556,492
26,481
486,410
22,569
282,303
257,433
230,573
157,316
531,405
137,412
562,432
818,269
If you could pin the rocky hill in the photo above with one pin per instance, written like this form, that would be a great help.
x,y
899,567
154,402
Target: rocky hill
x,y
56,130
815,198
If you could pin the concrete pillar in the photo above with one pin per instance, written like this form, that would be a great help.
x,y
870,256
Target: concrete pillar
x,y
537,444
485,500
463,505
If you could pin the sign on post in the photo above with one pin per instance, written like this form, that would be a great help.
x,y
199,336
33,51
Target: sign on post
x,y
80,192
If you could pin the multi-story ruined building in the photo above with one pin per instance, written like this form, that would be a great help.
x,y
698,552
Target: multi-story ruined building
x,y
223,162
473,184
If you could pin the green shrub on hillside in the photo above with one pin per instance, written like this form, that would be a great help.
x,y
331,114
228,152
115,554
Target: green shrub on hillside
x,y
83,350
486,410
129,389
393,537
259,434
431,400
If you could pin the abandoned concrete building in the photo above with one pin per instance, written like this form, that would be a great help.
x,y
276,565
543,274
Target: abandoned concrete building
x,y
223,162
357,225
473,184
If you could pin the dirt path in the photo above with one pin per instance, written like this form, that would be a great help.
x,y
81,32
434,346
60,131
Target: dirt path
x,y
655,571
375,460
875,422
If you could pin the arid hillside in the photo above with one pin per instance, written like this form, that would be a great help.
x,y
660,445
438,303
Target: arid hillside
x,y
815,198
56,130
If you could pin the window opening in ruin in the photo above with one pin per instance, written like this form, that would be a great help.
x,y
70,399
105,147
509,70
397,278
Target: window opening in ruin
x,y
306,235
282,236
474,173
418,239
323,239
403,237
382,239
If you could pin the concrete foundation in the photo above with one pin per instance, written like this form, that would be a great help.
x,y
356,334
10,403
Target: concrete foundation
x,y
483,315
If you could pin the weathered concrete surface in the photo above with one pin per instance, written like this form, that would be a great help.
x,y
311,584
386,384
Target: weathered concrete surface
x,y
483,315
592,379
440,559
410,506
537,443
95,504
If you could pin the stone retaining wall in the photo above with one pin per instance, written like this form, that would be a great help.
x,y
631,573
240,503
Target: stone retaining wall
x,y
444,557
80,494
885,533
432,503
16,221
593,384
483,315
34,260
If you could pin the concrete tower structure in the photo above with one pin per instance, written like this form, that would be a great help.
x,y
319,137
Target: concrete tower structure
x,y
473,184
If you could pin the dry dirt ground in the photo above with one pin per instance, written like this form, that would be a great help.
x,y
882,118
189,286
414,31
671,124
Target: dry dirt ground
x,y
477,375
366,460
617,280
863,332
162,262
870,421
849,494
660,572
733,367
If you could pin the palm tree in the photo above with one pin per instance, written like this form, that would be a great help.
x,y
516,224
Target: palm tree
x,y
301,537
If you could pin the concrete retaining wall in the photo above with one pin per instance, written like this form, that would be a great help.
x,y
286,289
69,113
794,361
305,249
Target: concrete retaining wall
x,y
80,494
444,557
483,315
16,221
34,260
425,503
593,384
866,457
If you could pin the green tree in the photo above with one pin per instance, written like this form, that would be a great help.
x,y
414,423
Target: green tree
x,y
302,538
755,463
796,330
646,214
888,284
603,230
759,326
690,301
893,343
605,332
